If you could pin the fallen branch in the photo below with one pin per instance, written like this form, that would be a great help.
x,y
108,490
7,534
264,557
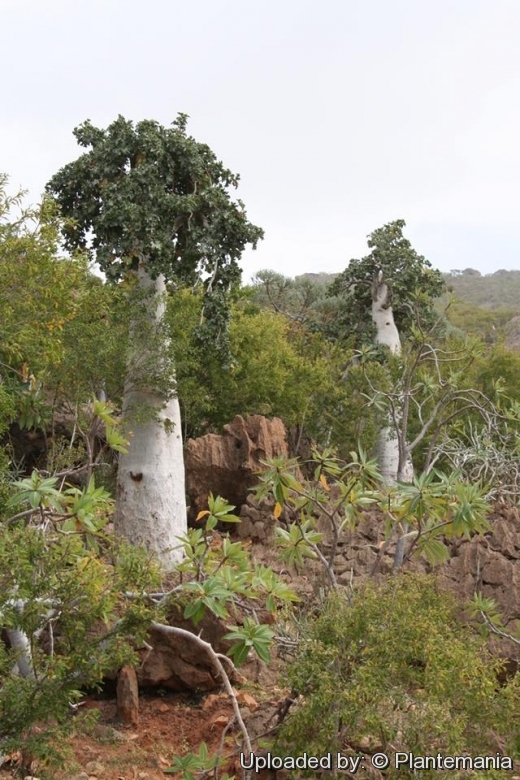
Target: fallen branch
x,y
217,660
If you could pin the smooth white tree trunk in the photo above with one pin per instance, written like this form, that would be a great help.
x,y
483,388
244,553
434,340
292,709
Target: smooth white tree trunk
x,y
151,501
19,642
391,466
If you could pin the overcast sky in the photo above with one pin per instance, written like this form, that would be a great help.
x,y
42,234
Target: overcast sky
x,y
340,115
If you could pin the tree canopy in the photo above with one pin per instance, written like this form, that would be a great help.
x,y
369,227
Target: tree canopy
x,y
153,193
409,277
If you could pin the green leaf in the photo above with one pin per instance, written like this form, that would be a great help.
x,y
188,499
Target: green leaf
x,y
220,511
195,610
37,491
435,550
116,441
249,636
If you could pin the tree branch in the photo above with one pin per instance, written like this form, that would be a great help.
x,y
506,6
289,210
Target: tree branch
x,y
495,630
216,659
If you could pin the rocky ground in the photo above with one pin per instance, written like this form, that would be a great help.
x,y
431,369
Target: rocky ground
x,y
172,721
169,725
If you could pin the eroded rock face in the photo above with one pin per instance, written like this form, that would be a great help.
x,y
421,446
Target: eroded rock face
x,y
178,664
487,564
174,664
257,521
227,464
127,697
490,564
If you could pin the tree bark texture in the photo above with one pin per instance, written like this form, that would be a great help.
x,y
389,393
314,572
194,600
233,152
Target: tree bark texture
x,y
151,501
393,464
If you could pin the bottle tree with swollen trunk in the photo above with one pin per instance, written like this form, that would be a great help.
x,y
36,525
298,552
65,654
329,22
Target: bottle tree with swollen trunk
x,y
380,294
153,205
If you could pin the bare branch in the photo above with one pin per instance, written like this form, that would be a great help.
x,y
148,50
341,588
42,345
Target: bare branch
x,y
217,661
495,630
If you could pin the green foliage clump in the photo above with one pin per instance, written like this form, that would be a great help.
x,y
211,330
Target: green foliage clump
x,y
488,324
151,199
276,369
418,514
95,345
195,765
63,608
152,193
7,414
392,668
412,283
502,365
221,577
7,408
5,484
36,286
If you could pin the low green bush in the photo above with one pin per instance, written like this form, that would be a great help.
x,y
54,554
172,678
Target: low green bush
x,y
392,669
64,606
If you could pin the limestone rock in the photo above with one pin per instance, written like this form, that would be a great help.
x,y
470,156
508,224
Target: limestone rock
x,y
246,700
175,664
489,564
257,520
180,665
127,697
226,464
108,734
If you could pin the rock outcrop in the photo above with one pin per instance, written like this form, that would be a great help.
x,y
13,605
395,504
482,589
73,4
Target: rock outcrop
x,y
257,521
177,664
227,464
127,697
488,564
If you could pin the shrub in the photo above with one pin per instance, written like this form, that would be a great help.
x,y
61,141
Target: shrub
x,y
68,625
392,669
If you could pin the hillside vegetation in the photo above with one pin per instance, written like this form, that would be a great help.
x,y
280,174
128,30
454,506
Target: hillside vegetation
x,y
393,414
499,290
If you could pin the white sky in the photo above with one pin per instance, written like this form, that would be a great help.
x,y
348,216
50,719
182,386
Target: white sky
x,y
340,115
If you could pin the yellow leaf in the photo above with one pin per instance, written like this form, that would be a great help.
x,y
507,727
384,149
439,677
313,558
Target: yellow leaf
x,y
277,511
323,481
201,515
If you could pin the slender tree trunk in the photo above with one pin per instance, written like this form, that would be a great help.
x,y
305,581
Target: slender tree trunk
x,y
19,642
394,462
151,502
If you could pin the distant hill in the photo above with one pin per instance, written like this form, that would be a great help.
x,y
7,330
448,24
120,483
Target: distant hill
x,y
500,290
